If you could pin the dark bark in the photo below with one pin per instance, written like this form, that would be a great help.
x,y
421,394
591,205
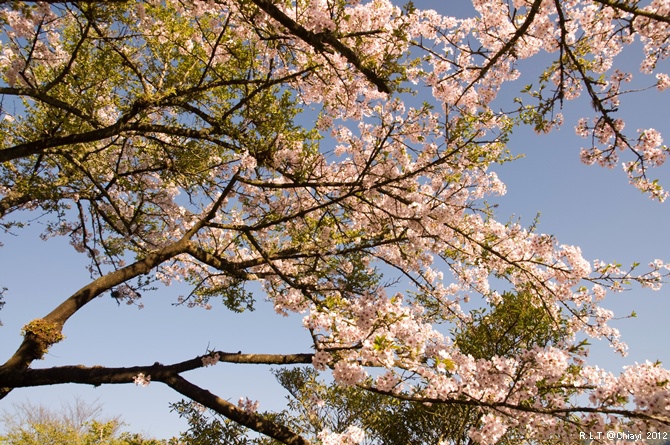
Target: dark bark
x,y
321,41
170,375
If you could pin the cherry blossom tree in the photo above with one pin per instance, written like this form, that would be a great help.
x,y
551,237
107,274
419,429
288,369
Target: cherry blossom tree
x,y
501,331
226,142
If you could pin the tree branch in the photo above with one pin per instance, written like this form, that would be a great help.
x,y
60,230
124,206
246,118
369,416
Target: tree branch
x,y
98,375
12,201
47,99
168,374
249,419
523,408
34,346
30,350
634,10
318,41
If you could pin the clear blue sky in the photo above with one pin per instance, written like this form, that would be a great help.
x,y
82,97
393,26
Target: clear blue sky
x,y
587,206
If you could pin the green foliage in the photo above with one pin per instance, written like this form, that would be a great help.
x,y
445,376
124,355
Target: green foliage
x,y
183,117
233,294
386,420
75,424
516,323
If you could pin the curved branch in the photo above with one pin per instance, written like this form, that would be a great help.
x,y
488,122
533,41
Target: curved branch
x,y
34,147
30,349
508,47
43,97
33,348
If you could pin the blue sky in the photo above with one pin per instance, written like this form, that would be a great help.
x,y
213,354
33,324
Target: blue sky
x,y
591,207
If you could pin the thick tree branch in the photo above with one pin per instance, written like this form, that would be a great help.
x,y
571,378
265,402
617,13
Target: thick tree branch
x,y
249,419
38,146
634,10
98,375
168,374
30,350
13,201
265,359
43,97
319,40
33,347
34,147
30,148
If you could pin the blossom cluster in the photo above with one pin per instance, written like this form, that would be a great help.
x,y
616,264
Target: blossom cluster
x,y
211,359
141,379
249,406
351,436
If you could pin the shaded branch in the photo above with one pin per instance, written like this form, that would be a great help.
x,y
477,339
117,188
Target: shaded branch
x,y
249,419
123,124
34,147
98,375
566,411
33,347
13,201
43,97
168,374
634,10
319,40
